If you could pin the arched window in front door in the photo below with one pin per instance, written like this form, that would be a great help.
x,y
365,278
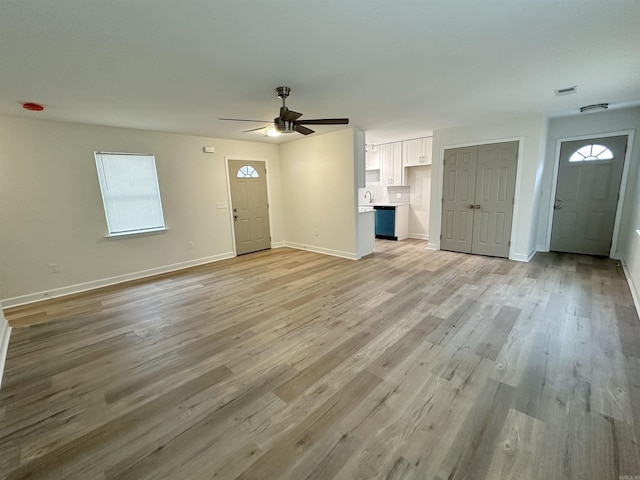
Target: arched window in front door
x,y
247,171
590,153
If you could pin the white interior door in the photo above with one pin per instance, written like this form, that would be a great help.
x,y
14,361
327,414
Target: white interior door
x,y
248,183
589,174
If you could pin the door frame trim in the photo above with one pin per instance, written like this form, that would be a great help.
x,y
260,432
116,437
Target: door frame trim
x,y
623,184
242,158
516,200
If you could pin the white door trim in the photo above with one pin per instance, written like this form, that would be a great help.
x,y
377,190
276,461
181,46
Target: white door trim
x,y
623,184
230,206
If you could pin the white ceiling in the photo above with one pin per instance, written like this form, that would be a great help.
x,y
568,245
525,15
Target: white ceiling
x,y
398,69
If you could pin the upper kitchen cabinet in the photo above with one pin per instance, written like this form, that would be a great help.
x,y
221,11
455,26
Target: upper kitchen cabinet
x,y
372,158
417,151
391,162
372,165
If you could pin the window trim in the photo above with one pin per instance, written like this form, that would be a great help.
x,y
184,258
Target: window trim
x,y
136,233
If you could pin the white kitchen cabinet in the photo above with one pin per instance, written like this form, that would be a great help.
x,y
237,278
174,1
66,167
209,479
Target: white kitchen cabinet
x,y
417,151
372,158
402,222
391,163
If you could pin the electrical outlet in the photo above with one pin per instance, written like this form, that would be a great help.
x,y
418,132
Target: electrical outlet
x,y
53,267
315,233
190,245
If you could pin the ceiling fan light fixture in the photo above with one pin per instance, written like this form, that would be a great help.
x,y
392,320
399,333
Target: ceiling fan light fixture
x,y
596,107
272,132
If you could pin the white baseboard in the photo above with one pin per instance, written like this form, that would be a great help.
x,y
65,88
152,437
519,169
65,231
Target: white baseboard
x,y
419,236
278,244
635,293
5,333
325,251
92,285
433,246
542,248
522,257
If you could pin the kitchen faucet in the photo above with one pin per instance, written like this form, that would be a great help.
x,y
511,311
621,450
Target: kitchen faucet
x,y
370,196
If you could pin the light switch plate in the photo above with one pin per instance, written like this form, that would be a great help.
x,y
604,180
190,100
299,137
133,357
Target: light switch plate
x,y
222,205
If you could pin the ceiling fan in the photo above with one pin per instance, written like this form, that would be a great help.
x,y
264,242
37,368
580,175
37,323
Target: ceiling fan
x,y
287,121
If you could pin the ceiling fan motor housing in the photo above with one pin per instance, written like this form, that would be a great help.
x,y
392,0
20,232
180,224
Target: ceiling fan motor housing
x,y
283,126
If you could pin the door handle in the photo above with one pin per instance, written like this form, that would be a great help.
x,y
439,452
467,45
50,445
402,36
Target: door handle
x,y
477,207
235,218
470,206
557,207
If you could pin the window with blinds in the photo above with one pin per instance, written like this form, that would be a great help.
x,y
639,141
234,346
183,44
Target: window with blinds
x,y
130,192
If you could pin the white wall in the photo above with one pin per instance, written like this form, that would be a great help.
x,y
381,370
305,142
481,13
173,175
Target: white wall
x,y
319,192
531,131
419,180
51,207
595,124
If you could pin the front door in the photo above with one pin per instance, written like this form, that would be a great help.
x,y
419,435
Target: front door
x,y
248,181
589,174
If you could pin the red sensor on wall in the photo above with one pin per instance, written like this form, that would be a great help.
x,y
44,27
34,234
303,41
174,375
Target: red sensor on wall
x,y
34,107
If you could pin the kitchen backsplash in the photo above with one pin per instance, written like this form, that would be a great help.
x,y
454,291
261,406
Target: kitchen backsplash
x,y
399,194
384,194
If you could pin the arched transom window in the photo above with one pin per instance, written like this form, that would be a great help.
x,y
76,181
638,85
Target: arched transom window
x,y
590,153
247,172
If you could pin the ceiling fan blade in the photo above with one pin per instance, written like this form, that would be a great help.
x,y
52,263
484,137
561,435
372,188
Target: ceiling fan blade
x,y
289,115
324,121
254,129
243,120
303,130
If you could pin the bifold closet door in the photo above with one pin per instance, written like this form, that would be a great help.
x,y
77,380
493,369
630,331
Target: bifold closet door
x,y
478,198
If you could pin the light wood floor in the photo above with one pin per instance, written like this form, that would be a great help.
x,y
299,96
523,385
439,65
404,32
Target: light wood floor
x,y
408,364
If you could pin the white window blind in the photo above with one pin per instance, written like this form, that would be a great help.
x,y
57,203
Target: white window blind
x,y
130,192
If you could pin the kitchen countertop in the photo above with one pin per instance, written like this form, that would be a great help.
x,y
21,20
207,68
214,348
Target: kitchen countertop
x,y
368,207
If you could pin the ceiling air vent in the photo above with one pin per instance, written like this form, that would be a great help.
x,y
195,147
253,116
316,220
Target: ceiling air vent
x,y
566,91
